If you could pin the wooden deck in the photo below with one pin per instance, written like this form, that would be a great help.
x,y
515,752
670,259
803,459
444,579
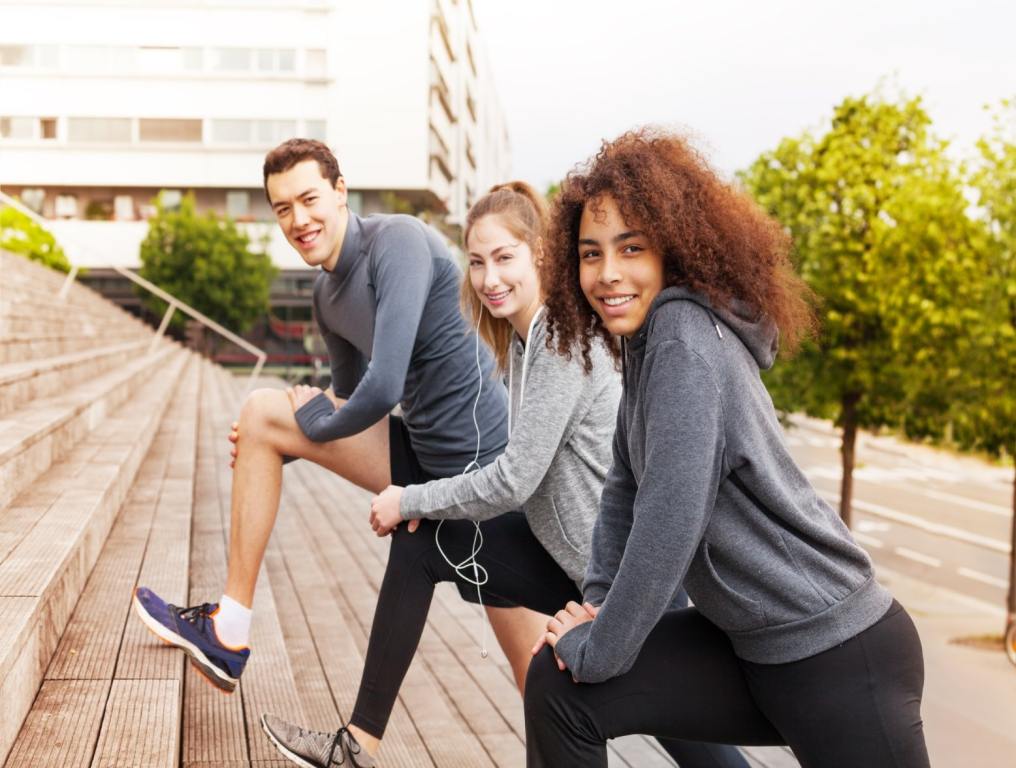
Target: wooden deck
x,y
113,696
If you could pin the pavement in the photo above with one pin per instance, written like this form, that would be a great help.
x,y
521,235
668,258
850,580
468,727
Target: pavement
x,y
969,703
937,525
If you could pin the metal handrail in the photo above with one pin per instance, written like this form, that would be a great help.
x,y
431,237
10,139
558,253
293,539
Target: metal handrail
x,y
173,302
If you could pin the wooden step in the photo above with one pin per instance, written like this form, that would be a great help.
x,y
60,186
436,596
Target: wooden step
x,y
21,383
35,436
48,316
52,535
21,348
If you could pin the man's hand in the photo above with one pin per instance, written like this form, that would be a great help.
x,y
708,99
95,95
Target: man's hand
x,y
384,511
565,620
234,436
300,395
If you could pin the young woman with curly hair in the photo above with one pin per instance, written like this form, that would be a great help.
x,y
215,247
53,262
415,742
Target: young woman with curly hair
x,y
534,505
791,640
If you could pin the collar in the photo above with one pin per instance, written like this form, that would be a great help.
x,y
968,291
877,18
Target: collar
x,y
349,253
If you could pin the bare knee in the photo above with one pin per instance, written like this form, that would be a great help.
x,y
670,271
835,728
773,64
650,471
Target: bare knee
x,y
262,408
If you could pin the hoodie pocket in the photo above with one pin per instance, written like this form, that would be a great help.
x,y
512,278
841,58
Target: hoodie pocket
x,y
728,609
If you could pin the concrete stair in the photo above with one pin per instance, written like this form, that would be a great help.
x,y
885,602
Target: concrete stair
x,y
81,399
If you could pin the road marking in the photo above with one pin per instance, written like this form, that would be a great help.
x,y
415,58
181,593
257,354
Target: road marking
x,y
943,593
983,578
917,557
867,526
870,541
981,506
948,531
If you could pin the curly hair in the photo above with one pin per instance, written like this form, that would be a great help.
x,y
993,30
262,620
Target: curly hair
x,y
713,237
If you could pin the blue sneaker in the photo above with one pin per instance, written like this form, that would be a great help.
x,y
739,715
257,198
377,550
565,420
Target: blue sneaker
x,y
193,630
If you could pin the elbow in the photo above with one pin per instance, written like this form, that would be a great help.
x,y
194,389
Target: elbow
x,y
600,670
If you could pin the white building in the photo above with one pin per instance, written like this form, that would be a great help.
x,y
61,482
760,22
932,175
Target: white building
x,y
105,102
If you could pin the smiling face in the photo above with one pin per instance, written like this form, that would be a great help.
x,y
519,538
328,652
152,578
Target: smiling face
x,y
311,212
619,271
502,272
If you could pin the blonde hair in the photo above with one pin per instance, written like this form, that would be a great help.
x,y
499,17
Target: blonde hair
x,y
523,212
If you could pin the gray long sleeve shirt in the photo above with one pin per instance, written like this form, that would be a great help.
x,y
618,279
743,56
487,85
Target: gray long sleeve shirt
x,y
389,314
557,455
703,492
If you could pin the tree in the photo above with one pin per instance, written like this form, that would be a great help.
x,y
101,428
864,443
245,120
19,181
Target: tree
x,y
206,262
877,215
20,235
986,418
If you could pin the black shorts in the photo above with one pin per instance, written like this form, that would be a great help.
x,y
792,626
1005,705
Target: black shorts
x,y
406,470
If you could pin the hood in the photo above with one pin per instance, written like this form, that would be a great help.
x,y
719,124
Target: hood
x,y
755,330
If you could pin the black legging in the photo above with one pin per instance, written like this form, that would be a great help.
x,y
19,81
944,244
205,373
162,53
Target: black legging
x,y
519,572
857,704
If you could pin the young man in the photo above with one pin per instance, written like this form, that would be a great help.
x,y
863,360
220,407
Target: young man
x,y
386,301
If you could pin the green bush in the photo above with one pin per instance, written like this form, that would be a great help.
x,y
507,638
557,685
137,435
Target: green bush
x,y
206,262
21,235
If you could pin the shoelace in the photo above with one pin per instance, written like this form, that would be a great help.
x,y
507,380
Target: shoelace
x,y
354,745
191,615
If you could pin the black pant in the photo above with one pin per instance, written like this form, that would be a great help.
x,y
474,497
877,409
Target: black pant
x,y
857,704
519,572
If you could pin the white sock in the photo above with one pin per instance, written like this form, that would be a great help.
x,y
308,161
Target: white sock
x,y
232,623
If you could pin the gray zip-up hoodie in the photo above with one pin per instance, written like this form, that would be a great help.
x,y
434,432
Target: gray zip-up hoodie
x,y
557,456
703,492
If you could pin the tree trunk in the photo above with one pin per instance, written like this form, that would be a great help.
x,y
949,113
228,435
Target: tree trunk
x,y
1011,601
849,419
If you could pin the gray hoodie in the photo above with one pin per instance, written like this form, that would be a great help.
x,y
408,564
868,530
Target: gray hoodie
x,y
557,456
703,492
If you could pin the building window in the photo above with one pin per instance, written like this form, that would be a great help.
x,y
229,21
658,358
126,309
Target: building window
x,y
275,131
47,127
17,127
276,60
316,129
66,206
193,59
232,59
123,208
16,56
154,129
112,129
232,131
39,56
33,198
170,199
238,205
317,63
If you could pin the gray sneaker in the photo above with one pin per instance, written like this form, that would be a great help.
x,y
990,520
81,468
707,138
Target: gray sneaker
x,y
313,749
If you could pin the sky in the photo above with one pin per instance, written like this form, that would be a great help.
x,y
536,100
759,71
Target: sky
x,y
737,76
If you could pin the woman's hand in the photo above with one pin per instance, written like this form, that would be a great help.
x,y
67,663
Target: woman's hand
x,y
234,436
565,620
300,395
384,511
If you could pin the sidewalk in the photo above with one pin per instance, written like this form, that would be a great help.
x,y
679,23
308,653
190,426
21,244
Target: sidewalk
x,y
969,693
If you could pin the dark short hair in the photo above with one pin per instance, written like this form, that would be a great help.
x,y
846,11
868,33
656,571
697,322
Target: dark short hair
x,y
294,151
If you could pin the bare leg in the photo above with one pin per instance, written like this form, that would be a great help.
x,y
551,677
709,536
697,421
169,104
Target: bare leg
x,y
268,431
517,629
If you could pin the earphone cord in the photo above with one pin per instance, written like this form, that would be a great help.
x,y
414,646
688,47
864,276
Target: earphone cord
x,y
479,575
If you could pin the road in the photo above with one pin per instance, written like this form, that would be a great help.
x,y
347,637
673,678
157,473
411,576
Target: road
x,y
935,516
